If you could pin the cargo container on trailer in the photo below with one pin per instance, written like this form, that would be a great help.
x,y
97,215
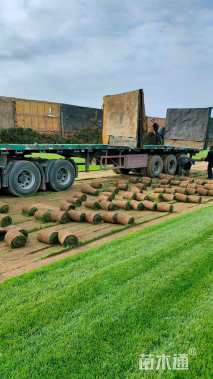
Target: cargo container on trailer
x,y
7,113
42,116
76,118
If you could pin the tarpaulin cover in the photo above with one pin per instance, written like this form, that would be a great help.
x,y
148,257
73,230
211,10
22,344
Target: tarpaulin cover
x,y
190,124
74,117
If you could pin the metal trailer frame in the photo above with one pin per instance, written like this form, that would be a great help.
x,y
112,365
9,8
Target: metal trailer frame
x,y
123,158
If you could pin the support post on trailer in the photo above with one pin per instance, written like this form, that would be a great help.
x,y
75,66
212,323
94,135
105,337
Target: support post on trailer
x,y
87,160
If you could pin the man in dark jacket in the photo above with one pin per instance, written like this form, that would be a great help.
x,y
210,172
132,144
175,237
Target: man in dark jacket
x,y
209,159
159,133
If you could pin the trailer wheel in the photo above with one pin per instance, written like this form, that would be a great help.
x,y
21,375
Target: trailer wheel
x,y
184,165
155,166
170,164
24,178
62,175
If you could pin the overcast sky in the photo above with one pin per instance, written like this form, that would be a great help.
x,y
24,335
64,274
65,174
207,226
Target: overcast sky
x,y
76,51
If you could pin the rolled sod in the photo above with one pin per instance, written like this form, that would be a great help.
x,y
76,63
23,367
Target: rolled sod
x,y
4,208
67,238
140,196
175,182
74,200
93,218
122,186
167,197
180,197
210,192
109,217
65,206
141,186
165,176
136,205
163,207
122,204
147,180
164,181
30,209
77,216
16,228
153,196
150,205
180,190
96,185
124,219
134,179
169,190
15,239
48,236
113,189
184,184
194,199
129,195
107,205
86,188
135,189
202,191
183,178
159,190
109,195
155,181
43,215
103,198
200,181
59,216
209,186
77,196
190,191
5,220
92,204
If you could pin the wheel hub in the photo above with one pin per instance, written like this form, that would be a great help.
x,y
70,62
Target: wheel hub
x,y
63,175
26,179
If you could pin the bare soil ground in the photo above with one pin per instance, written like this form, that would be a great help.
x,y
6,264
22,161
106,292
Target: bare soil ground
x,y
35,253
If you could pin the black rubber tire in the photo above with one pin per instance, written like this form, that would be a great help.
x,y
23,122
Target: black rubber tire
x,y
170,164
154,166
24,178
122,171
62,175
182,161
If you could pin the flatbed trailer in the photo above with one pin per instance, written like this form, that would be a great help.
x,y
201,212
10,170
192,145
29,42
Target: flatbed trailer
x,y
23,174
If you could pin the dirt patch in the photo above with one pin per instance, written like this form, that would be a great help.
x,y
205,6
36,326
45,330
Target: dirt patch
x,y
35,253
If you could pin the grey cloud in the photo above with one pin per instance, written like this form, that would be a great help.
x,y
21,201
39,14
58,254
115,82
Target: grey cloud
x,y
77,51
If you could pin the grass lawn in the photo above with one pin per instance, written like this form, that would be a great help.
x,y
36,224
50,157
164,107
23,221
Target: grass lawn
x,y
93,314
201,155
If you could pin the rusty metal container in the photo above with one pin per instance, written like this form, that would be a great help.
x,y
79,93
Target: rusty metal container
x,y
42,116
124,119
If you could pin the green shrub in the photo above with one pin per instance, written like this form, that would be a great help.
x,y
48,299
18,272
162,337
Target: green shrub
x,y
27,135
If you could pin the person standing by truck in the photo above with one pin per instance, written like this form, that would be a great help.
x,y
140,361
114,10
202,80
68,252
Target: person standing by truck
x,y
159,133
209,159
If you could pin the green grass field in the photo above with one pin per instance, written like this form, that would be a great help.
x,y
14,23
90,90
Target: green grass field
x,y
92,315
201,155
